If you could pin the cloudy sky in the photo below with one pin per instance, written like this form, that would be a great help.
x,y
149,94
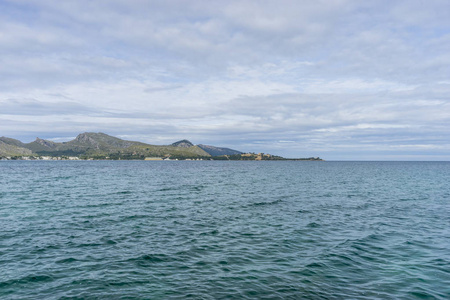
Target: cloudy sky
x,y
343,80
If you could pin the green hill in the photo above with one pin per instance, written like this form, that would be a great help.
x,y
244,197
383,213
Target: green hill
x,y
100,145
219,151
11,141
12,147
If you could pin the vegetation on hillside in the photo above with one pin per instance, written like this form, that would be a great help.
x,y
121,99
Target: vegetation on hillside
x,y
91,145
97,146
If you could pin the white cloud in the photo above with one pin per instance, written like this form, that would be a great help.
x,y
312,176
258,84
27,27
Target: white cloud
x,y
349,75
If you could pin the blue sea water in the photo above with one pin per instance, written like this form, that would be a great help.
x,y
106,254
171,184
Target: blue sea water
x,y
224,230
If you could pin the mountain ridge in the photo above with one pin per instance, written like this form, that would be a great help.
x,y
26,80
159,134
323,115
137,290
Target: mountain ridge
x,y
183,144
98,144
218,151
7,149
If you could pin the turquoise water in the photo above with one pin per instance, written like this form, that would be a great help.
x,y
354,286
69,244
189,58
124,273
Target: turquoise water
x,y
216,230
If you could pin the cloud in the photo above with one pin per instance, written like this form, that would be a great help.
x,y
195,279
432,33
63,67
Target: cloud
x,y
342,79
33,107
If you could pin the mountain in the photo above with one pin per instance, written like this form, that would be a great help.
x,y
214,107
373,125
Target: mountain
x,y
12,147
218,151
183,144
211,150
41,145
99,141
102,146
11,141
90,144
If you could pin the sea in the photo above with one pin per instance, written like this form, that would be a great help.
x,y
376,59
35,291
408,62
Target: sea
x,y
224,230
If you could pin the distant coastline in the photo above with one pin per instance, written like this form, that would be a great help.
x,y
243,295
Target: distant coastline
x,y
100,146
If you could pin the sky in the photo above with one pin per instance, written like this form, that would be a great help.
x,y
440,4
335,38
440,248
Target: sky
x,y
338,79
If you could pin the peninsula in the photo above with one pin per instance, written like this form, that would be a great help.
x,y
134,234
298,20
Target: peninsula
x,y
100,146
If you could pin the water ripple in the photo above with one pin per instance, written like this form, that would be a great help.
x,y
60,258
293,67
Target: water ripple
x,y
224,230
